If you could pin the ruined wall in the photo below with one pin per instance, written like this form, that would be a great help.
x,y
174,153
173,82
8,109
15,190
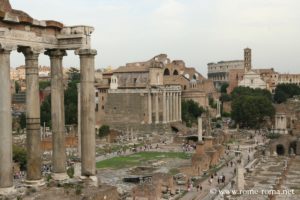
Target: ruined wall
x,y
137,79
130,108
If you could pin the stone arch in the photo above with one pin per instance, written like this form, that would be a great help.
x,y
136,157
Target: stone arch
x,y
175,73
167,72
280,150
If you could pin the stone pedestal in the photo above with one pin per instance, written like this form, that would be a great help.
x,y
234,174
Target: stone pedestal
x,y
200,148
60,176
91,180
6,166
87,90
7,191
34,183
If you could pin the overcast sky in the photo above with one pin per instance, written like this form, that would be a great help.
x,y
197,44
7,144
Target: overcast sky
x,y
196,31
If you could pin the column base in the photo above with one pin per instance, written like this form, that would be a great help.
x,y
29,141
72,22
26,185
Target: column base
x,y
93,180
7,191
156,122
35,183
60,176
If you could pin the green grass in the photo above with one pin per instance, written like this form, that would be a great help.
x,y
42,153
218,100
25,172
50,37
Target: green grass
x,y
140,159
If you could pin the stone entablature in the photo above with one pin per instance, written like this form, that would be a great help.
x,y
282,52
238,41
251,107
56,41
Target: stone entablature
x,y
70,38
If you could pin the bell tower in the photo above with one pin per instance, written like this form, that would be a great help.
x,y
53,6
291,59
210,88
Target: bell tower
x,y
247,59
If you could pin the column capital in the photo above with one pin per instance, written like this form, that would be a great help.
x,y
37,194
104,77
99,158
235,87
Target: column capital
x,y
31,53
56,53
86,52
7,48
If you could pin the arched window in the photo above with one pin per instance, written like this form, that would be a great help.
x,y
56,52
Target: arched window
x,y
175,73
167,72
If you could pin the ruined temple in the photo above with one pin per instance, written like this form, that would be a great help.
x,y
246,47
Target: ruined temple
x,y
32,37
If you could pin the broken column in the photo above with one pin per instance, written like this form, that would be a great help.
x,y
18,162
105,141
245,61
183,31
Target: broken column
x,y
6,164
57,114
240,179
200,129
88,137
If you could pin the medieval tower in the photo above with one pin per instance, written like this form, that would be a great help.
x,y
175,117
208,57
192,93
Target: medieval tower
x,y
247,59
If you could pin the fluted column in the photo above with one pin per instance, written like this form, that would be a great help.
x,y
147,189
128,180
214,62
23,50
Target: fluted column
x,y
180,111
164,107
57,114
171,107
87,90
34,153
156,109
149,107
6,164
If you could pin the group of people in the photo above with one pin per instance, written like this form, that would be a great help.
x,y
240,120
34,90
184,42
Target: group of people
x,y
187,147
221,179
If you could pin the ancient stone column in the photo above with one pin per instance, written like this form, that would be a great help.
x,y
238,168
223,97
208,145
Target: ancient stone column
x,y
156,109
240,179
149,107
6,166
167,107
33,142
164,107
57,114
218,108
171,107
87,90
176,107
79,120
200,129
180,112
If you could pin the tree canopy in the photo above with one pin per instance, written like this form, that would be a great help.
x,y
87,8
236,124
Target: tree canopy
x,y
251,107
190,112
242,91
285,91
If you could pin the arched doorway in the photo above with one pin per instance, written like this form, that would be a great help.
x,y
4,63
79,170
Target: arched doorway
x,y
280,150
175,73
293,145
167,72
